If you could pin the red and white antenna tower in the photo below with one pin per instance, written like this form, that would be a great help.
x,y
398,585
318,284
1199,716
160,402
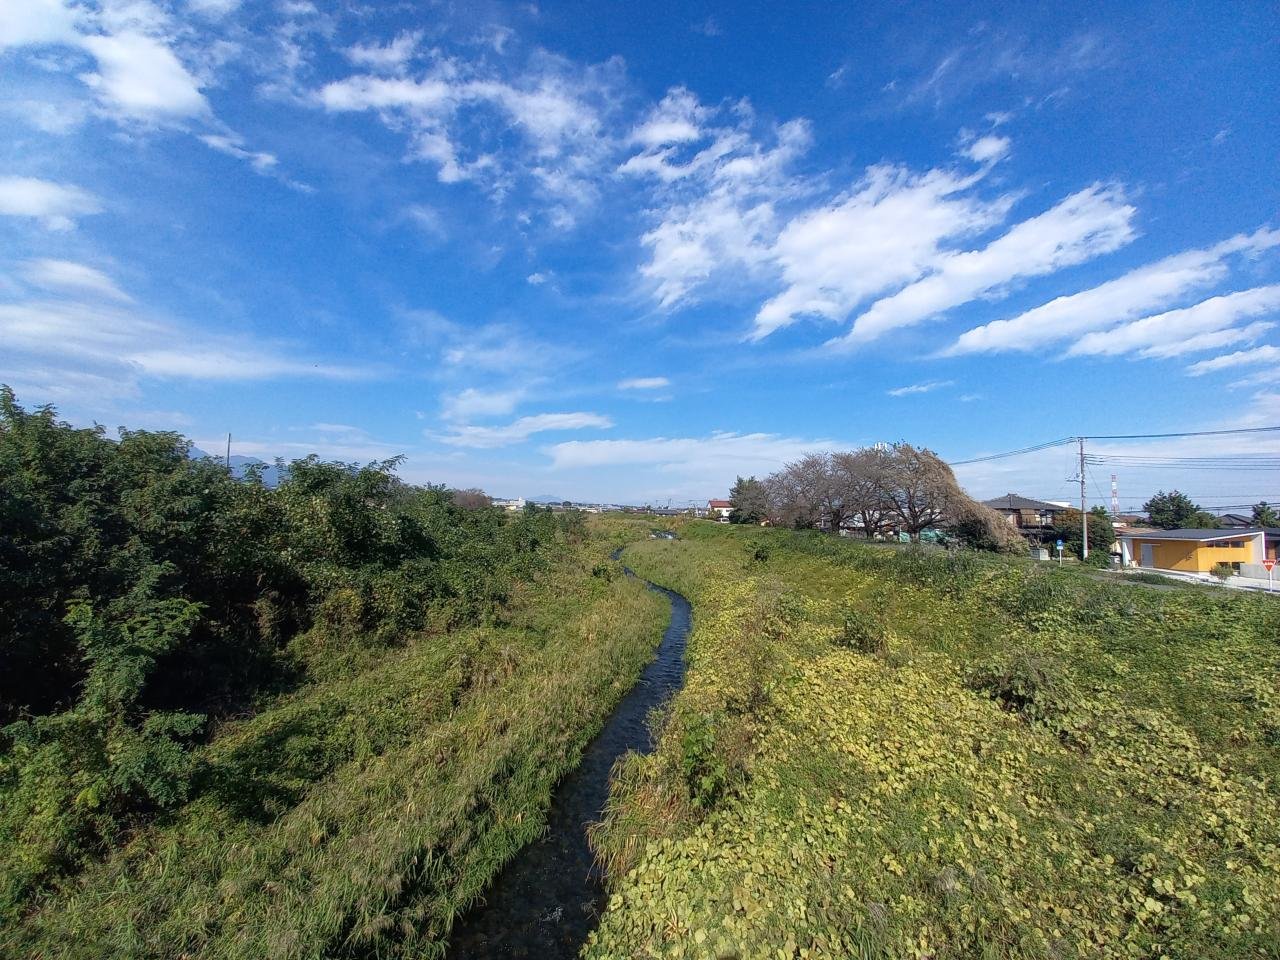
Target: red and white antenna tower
x,y
1115,498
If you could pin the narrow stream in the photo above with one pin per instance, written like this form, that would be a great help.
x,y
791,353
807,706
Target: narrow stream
x,y
547,900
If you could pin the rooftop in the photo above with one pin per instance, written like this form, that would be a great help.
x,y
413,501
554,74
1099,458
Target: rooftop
x,y
1191,534
1011,501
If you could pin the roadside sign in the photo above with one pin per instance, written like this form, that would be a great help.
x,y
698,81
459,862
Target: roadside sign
x,y
1268,564
1059,546
1271,585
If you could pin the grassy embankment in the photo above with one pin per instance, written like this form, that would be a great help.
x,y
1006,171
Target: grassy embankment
x,y
358,815
893,753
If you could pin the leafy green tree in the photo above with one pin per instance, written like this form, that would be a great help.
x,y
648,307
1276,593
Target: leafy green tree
x,y
1171,510
750,501
1264,515
1102,534
144,592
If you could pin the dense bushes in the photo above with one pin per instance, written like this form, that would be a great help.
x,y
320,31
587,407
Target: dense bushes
x,y
144,593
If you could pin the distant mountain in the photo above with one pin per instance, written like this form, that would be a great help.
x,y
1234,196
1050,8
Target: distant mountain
x,y
545,498
271,475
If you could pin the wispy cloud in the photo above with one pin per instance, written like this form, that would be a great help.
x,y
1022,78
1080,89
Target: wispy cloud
x,y
1205,325
644,383
55,205
927,387
698,462
65,276
1241,358
391,57
888,230
716,181
1123,299
472,403
1087,224
521,429
460,116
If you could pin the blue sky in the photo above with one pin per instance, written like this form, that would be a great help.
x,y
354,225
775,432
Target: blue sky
x,y
628,251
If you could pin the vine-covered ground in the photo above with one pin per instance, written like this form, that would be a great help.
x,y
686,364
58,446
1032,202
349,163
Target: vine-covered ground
x,y
900,753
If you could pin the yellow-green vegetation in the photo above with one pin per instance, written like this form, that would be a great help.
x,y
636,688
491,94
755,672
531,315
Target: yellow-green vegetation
x,y
358,816
911,753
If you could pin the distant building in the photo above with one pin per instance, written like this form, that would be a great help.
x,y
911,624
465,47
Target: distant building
x,y
1194,550
1024,513
1235,521
719,510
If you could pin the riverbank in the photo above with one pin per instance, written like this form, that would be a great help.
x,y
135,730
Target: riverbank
x,y
898,754
361,814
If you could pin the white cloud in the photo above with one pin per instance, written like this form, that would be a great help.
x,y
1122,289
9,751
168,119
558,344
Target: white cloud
x,y
100,338
1241,358
1173,333
538,279
233,146
522,429
987,149
717,189
55,205
34,22
721,455
677,118
1129,297
1085,225
644,383
214,9
888,230
927,387
450,111
140,78
472,403
64,276
391,57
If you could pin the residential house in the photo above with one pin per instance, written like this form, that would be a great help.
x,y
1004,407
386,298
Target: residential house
x,y
719,510
1030,516
1235,521
1195,551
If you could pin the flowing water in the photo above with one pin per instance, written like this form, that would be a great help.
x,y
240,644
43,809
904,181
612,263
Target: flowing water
x,y
547,900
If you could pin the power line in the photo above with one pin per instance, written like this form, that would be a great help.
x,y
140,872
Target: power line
x,y
1034,448
1192,433
1016,453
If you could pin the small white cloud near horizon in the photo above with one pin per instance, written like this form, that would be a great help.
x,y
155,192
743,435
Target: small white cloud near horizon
x,y
644,383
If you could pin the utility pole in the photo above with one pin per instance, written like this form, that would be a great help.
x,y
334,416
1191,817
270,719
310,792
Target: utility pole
x,y
1084,510
228,453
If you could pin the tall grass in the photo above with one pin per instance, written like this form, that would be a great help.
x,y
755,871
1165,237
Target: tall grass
x,y
360,815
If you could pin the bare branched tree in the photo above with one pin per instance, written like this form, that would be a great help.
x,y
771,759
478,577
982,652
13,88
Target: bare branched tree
x,y
863,477
921,488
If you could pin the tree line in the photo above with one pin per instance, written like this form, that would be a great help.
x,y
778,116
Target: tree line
x,y
144,594
873,490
